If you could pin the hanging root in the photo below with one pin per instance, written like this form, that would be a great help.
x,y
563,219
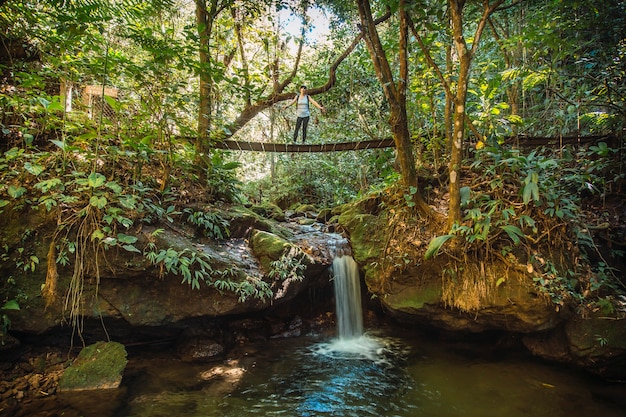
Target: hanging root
x,y
49,290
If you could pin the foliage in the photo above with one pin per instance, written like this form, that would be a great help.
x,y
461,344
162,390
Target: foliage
x,y
196,267
526,209
221,177
290,266
5,322
211,223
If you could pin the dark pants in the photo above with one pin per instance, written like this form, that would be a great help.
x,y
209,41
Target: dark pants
x,y
304,121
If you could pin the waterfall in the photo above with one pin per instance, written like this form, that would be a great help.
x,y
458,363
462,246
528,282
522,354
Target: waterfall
x,y
347,293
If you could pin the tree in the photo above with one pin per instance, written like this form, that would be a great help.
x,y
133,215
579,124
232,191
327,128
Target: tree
x,y
465,56
395,94
206,13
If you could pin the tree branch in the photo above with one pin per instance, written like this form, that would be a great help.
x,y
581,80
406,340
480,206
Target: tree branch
x,y
430,60
250,111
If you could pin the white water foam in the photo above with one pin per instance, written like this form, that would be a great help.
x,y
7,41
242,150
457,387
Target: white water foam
x,y
384,351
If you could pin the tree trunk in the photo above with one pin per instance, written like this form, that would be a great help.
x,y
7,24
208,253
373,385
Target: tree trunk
x,y
395,95
203,21
456,150
465,60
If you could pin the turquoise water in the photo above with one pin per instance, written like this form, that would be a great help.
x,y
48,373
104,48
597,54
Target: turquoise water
x,y
376,375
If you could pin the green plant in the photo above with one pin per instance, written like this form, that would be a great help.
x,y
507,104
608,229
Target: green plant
x,y
290,266
5,322
557,285
602,341
606,306
211,223
221,178
195,268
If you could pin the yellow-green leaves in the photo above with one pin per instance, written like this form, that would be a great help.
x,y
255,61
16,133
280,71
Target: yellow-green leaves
x,y
435,245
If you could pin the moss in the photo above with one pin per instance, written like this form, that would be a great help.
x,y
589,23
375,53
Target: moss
x,y
267,247
414,298
242,219
98,366
367,234
270,211
304,208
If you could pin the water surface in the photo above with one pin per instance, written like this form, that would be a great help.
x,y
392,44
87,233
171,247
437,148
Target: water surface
x,y
376,375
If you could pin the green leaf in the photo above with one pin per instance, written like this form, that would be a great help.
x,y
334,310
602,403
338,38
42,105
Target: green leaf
x,y
126,238
514,233
115,187
49,184
98,201
11,305
531,191
61,144
16,192
131,248
96,180
34,169
465,195
55,106
97,234
435,245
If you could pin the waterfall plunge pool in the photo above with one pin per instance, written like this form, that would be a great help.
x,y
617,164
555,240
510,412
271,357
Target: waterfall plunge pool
x,y
389,372
383,373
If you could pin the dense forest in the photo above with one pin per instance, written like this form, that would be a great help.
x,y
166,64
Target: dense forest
x,y
496,202
507,120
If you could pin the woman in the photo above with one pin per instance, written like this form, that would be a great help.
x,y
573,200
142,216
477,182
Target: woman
x,y
303,112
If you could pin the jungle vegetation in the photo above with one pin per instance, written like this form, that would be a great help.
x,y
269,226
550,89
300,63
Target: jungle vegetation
x,y
110,112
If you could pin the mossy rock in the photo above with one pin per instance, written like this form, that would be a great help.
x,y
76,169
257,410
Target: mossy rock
x,y
98,366
306,222
324,215
367,234
304,208
242,220
413,298
267,247
270,211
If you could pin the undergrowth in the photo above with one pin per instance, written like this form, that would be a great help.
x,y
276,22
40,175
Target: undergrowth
x,y
522,213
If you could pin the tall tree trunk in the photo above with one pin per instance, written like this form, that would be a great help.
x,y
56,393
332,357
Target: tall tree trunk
x,y
204,22
456,151
465,60
395,93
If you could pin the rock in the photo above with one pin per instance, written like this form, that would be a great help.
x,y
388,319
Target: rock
x,y
97,367
200,350
514,307
8,342
597,344
268,247
269,211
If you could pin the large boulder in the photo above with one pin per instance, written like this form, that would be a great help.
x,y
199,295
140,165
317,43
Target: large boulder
x,y
597,344
142,293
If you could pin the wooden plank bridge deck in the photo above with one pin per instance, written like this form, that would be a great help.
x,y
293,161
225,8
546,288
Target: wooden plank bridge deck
x,y
523,141
234,145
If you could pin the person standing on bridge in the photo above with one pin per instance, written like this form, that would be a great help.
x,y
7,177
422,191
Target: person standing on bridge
x,y
303,111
